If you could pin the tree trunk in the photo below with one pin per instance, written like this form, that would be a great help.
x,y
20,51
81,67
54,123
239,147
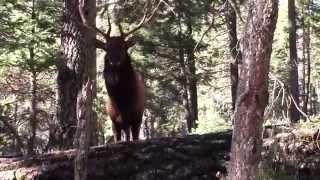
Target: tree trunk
x,y
188,73
252,90
191,75
33,111
13,128
68,86
33,84
90,70
231,22
294,114
68,79
308,59
193,90
184,82
84,135
306,56
84,113
70,69
315,100
183,76
304,59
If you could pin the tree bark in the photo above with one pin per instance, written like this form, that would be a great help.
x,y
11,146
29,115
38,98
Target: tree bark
x,y
184,82
192,76
69,67
231,22
183,76
33,84
306,57
33,112
306,39
76,42
84,135
84,114
294,114
193,90
315,100
188,73
304,64
252,90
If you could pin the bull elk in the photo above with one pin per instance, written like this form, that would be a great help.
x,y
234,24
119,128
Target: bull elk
x,y
125,86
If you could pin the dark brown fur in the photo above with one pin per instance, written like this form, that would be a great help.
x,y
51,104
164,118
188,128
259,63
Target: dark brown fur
x,y
125,88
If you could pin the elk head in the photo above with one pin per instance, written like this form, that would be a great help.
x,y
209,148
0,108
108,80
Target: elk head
x,y
117,48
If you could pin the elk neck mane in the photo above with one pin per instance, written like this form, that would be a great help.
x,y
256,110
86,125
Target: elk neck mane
x,y
121,85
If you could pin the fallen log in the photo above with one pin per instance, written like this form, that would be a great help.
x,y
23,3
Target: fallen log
x,y
296,152
192,157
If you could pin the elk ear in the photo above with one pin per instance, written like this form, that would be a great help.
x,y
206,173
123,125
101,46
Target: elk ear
x,y
130,42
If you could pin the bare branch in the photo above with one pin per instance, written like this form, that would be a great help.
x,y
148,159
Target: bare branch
x,y
146,16
90,26
236,9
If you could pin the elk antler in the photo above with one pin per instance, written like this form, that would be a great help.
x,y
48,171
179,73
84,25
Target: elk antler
x,y
150,11
85,23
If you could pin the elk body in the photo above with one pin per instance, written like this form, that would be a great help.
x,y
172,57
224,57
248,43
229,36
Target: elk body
x,y
125,86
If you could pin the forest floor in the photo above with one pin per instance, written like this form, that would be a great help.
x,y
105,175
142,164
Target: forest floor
x,y
192,157
292,152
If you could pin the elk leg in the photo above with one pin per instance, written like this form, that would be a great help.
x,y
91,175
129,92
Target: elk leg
x,y
135,132
116,133
135,128
127,134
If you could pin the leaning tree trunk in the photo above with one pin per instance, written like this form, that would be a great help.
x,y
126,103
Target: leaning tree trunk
x,y
85,115
231,22
252,91
294,114
82,144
